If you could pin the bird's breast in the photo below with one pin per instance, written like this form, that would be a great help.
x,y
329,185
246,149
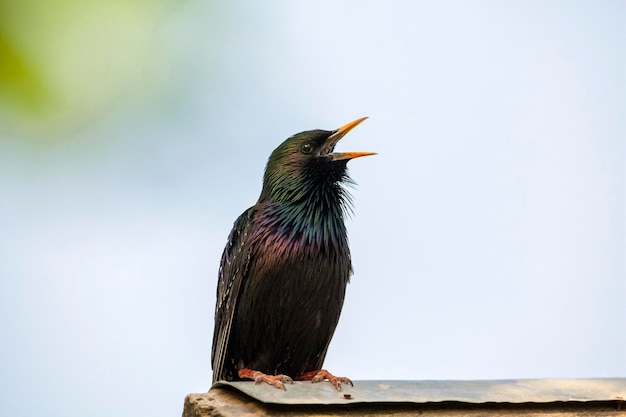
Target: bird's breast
x,y
308,246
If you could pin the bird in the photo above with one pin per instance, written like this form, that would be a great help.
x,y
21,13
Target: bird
x,y
283,273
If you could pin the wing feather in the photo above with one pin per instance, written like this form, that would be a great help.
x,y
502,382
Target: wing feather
x,y
233,271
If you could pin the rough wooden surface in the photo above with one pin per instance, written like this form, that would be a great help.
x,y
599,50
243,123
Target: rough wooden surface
x,y
227,402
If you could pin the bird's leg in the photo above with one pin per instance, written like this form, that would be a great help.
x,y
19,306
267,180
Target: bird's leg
x,y
322,375
258,377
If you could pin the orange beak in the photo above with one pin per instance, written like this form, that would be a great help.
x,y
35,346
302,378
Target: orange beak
x,y
340,133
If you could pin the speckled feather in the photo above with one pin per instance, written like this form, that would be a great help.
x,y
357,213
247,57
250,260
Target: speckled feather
x,y
286,265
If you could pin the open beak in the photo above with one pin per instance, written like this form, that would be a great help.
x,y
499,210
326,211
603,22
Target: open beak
x,y
340,133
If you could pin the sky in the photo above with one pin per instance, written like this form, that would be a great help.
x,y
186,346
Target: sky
x,y
488,237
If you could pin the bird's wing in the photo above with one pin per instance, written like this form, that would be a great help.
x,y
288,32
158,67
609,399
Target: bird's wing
x,y
233,271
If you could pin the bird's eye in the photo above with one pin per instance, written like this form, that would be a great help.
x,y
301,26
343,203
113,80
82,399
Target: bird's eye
x,y
306,148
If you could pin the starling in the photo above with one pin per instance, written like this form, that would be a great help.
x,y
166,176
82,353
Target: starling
x,y
284,271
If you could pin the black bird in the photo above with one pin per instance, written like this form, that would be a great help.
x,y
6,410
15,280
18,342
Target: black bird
x,y
284,271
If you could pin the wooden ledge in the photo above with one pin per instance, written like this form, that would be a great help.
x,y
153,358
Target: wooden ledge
x,y
530,397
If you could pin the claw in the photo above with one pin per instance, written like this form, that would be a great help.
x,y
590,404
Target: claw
x,y
322,375
258,377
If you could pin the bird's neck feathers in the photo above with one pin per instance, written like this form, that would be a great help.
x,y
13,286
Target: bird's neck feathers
x,y
309,206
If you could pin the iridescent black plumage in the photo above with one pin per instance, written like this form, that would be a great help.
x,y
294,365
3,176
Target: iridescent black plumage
x,y
285,268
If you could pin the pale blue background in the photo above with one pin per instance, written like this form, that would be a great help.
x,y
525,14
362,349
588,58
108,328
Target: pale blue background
x,y
488,238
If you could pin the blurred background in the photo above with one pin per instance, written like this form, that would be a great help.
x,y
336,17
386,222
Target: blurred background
x,y
489,233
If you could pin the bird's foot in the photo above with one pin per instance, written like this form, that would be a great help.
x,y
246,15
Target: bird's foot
x,y
322,375
258,377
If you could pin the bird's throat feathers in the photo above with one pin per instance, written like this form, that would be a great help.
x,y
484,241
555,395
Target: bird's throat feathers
x,y
316,220
306,210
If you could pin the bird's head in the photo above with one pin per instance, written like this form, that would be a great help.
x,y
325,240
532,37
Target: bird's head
x,y
306,163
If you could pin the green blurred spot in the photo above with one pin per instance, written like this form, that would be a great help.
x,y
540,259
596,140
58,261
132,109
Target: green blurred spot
x,y
19,83
65,64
